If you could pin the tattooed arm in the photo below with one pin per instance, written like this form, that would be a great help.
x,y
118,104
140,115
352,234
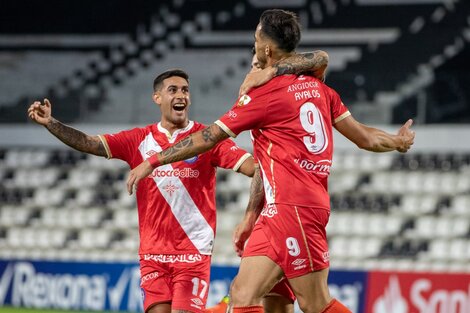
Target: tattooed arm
x,y
41,114
253,210
190,146
311,63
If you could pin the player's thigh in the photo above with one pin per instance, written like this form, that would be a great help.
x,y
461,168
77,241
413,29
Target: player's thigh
x,y
191,285
256,277
155,284
312,290
159,308
275,303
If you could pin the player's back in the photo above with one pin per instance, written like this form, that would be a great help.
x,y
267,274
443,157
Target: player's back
x,y
294,143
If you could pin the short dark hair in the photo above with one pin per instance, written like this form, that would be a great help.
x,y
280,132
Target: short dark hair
x,y
282,27
167,74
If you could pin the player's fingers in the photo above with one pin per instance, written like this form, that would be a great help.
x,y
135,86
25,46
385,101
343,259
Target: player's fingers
x,y
46,102
130,182
408,123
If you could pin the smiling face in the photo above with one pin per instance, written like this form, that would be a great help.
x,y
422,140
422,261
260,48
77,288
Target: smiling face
x,y
173,99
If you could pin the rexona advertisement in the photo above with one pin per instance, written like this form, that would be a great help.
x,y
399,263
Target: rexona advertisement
x,y
78,286
418,293
116,287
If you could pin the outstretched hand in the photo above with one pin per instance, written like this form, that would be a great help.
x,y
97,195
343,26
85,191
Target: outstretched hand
x,y
40,112
407,135
143,170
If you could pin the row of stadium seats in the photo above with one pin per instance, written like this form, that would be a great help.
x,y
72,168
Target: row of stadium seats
x,y
178,32
59,204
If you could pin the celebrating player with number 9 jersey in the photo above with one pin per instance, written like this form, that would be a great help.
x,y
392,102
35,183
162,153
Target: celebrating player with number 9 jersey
x,y
291,120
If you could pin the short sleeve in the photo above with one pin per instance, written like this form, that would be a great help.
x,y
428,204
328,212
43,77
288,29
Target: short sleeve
x,y
248,112
121,145
227,154
338,109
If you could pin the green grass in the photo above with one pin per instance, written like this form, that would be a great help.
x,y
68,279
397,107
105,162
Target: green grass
x,y
25,310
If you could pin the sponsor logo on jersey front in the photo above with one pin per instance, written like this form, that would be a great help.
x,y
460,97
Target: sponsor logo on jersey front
x,y
175,172
174,258
269,211
321,167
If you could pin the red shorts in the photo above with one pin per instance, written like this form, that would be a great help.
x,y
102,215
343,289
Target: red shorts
x,y
284,289
182,280
293,237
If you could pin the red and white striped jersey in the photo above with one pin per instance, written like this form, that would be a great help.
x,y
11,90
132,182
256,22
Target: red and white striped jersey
x,y
291,119
176,203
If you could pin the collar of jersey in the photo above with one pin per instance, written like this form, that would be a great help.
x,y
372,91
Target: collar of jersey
x,y
172,138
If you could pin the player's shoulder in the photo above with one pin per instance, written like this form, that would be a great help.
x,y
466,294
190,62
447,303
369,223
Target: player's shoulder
x,y
198,126
275,84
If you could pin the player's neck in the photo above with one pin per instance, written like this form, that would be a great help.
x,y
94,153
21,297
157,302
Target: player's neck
x,y
278,56
172,127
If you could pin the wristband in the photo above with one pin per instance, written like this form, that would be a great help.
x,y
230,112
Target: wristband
x,y
154,161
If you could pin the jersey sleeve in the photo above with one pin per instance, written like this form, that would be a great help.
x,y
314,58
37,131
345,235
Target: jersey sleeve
x,y
120,145
227,154
338,110
247,113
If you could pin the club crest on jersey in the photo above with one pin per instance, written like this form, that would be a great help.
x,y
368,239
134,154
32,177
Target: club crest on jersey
x,y
244,100
191,160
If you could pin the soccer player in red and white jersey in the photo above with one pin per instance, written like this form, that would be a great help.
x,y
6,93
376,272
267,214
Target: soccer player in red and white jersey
x,y
176,204
291,118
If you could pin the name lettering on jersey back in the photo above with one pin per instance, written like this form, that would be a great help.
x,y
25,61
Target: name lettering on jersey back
x,y
304,90
181,173
321,167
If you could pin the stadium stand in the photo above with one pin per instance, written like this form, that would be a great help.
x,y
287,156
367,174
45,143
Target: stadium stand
x,y
389,60
387,210
364,38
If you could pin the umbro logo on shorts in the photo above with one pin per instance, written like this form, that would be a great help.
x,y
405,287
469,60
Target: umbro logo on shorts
x,y
197,301
298,262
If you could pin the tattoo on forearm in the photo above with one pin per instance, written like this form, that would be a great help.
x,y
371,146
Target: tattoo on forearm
x,y
173,153
213,134
256,200
75,138
301,63
193,144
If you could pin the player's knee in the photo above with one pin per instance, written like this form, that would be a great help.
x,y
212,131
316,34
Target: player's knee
x,y
312,305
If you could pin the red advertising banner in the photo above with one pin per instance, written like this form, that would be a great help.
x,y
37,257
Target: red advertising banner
x,y
392,292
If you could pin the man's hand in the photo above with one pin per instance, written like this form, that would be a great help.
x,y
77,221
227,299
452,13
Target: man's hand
x,y
407,135
255,79
40,113
241,234
143,170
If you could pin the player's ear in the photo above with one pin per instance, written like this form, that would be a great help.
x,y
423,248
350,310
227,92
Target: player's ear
x,y
156,97
267,51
